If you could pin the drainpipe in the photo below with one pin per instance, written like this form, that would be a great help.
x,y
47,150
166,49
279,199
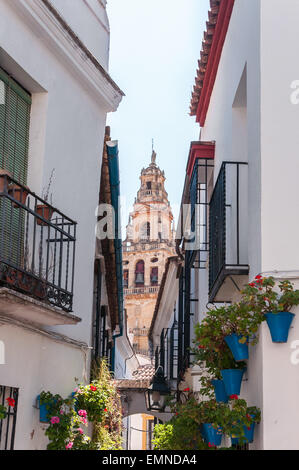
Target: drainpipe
x,y
113,162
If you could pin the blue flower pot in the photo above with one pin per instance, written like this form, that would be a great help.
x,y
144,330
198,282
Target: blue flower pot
x,y
232,379
43,412
239,350
248,436
75,401
279,325
211,435
220,393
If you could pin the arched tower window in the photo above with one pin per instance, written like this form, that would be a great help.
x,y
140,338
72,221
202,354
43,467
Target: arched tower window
x,y
145,231
126,278
154,276
139,274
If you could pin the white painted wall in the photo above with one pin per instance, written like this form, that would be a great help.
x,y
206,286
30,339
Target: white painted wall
x,y
70,100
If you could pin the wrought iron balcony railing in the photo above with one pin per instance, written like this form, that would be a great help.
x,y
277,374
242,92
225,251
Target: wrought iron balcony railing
x,y
37,246
228,229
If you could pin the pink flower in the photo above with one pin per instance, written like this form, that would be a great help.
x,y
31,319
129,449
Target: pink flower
x,y
80,430
69,445
83,420
61,411
82,413
55,420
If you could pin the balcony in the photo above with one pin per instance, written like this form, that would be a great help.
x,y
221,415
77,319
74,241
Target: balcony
x,y
228,231
37,253
142,290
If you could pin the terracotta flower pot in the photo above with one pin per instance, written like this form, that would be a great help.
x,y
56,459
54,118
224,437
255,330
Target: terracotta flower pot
x,y
18,193
44,211
3,181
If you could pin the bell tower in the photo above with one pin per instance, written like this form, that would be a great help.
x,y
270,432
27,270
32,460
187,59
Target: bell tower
x,y
149,242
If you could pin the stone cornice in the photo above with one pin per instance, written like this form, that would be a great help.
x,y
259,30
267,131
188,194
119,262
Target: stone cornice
x,y
46,22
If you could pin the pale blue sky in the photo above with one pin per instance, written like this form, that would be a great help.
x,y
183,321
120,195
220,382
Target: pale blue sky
x,y
155,45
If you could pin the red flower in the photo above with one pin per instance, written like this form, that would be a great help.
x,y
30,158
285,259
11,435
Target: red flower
x,y
186,389
201,347
93,388
251,284
211,445
105,410
248,429
11,402
258,277
234,397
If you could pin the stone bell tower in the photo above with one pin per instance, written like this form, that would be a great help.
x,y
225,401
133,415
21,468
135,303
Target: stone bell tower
x,y
149,242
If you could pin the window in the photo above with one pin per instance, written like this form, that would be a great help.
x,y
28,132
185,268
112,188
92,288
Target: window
x,y
154,276
126,278
149,185
8,425
15,105
139,274
145,231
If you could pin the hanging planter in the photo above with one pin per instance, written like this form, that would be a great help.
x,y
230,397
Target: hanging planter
x,y
248,436
19,194
44,211
220,393
279,325
238,345
211,435
232,379
44,405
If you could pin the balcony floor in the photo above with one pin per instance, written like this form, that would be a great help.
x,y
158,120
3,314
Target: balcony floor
x,y
22,307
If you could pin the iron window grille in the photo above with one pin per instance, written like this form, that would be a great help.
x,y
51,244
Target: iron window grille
x,y
102,342
228,247
37,246
8,425
166,355
199,203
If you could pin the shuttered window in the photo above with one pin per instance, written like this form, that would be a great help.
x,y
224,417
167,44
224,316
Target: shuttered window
x,y
15,105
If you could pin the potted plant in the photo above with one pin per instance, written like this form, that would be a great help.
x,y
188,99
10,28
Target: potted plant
x,y
243,421
274,305
45,210
212,351
214,420
4,179
47,404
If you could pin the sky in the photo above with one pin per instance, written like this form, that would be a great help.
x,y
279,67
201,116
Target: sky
x,y
154,49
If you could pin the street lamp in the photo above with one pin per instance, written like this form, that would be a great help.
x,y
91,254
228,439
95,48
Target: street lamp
x,y
156,393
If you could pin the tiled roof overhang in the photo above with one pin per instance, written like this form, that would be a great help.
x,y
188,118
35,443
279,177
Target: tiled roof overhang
x,y
199,150
212,45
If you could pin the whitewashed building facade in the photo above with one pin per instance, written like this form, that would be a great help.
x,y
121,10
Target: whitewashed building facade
x,y
55,93
241,177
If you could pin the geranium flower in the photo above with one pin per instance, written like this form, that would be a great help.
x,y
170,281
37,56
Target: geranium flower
x,y
258,277
80,430
11,402
186,389
251,284
105,410
69,445
211,445
93,388
234,397
55,420
82,413
83,420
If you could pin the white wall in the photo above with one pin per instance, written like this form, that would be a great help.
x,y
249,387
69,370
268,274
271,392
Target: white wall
x,y
70,100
